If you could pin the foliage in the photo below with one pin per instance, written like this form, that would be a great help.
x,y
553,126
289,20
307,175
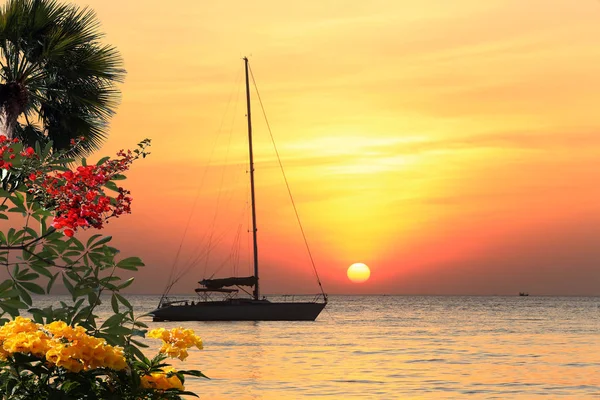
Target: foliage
x,y
56,75
67,352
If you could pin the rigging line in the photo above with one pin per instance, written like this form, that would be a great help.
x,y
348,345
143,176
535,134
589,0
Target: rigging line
x,y
189,264
287,184
213,246
234,252
187,225
201,251
192,261
220,194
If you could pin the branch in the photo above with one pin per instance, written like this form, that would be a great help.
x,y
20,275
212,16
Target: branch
x,y
102,287
34,241
47,261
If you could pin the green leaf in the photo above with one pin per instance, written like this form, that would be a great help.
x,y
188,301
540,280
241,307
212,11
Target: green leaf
x,y
112,321
32,287
77,244
11,235
118,330
38,315
41,270
10,293
67,260
69,286
114,303
3,216
102,160
123,301
24,295
137,352
18,200
13,304
13,312
91,239
100,242
140,323
27,277
126,283
69,386
130,263
31,232
139,332
112,186
194,373
83,291
8,283
51,282
47,149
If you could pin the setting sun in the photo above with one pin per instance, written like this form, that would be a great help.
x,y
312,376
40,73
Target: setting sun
x,y
359,273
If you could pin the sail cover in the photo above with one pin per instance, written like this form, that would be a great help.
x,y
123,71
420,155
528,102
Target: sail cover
x,y
224,282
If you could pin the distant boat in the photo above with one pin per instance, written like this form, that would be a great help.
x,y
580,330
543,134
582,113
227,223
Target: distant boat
x,y
228,306
523,294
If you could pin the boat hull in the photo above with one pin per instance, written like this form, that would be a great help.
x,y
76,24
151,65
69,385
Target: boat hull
x,y
236,310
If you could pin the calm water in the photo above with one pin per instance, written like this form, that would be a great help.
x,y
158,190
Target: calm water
x,y
401,347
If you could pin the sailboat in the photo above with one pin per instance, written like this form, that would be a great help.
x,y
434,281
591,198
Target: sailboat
x,y
228,306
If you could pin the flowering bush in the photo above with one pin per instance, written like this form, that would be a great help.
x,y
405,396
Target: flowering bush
x,y
66,352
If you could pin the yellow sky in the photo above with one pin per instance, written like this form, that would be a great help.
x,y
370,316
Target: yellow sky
x,y
450,145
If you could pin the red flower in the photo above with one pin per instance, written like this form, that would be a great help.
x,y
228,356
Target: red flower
x,y
78,198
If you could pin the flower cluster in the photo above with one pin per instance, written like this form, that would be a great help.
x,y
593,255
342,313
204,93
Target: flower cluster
x,y
167,379
77,196
60,344
6,149
176,341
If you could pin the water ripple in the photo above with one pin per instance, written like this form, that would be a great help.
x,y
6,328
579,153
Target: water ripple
x,y
396,347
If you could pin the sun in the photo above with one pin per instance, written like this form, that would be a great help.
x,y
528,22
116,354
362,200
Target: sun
x,y
359,273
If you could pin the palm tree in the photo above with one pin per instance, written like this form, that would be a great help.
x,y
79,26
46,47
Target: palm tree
x,y
57,81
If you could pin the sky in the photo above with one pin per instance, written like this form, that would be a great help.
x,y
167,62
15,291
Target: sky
x,y
451,146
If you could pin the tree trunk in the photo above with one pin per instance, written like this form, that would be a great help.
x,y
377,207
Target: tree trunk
x,y
13,100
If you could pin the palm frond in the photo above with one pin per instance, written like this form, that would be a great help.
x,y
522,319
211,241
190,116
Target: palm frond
x,y
54,50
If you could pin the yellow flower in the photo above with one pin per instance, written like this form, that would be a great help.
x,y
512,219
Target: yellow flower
x,y
176,341
35,343
161,380
156,333
21,335
62,355
62,345
17,325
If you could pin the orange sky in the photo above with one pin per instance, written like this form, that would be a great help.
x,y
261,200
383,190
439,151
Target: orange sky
x,y
450,145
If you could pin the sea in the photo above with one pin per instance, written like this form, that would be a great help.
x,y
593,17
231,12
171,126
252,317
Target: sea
x,y
401,347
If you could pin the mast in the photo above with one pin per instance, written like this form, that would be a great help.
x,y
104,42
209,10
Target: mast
x,y
252,197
